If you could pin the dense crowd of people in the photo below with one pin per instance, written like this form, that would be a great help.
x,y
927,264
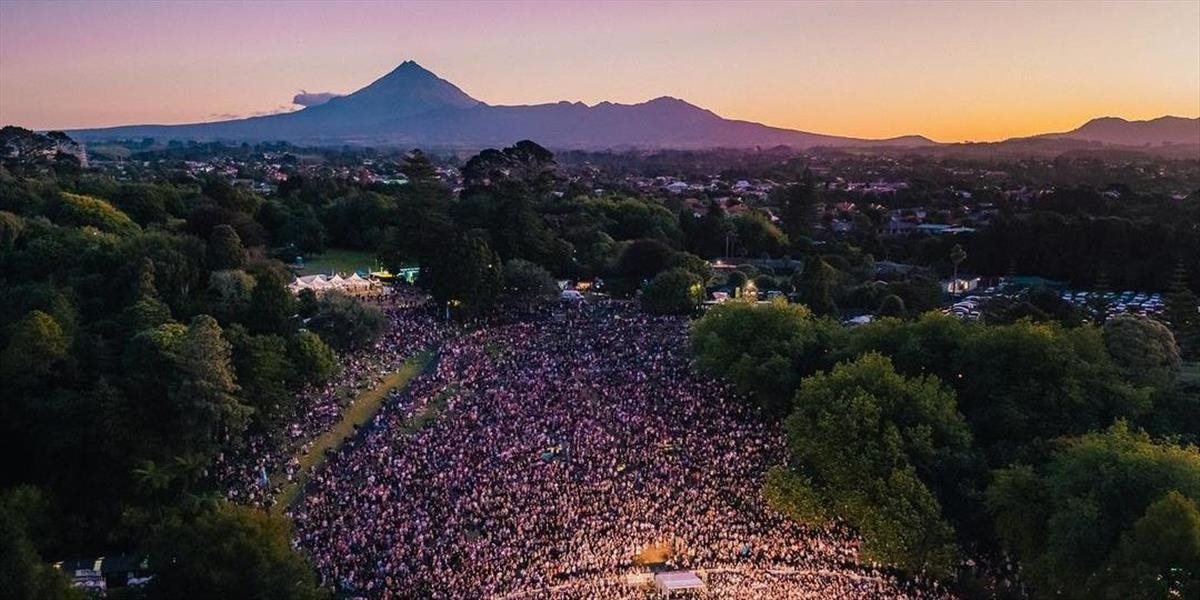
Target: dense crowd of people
x,y
554,457
410,329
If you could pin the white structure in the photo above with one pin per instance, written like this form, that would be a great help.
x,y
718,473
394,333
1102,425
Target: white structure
x,y
353,285
673,581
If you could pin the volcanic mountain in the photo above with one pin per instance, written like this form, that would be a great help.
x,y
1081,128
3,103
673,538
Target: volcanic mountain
x,y
411,106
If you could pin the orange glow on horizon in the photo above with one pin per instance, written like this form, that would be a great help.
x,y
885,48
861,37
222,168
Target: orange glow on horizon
x,y
952,72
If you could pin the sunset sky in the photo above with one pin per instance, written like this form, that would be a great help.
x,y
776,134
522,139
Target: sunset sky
x,y
951,71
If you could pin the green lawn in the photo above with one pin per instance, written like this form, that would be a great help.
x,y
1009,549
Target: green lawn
x,y
340,261
1190,373
359,412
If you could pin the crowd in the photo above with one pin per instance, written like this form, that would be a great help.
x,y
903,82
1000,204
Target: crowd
x,y
552,456
410,329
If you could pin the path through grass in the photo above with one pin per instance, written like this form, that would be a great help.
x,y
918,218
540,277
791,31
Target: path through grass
x,y
360,411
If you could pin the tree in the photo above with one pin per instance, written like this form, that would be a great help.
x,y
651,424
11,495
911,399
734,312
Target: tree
x,y
230,552
1144,349
799,202
816,287
206,393
672,292
263,368
876,448
36,345
693,264
737,280
764,350
146,313
712,232
271,304
84,211
225,249
24,572
1068,384
758,236
178,265
1183,311
345,323
644,259
1160,556
312,359
230,294
418,169
892,306
528,280
465,276
524,162
957,255
1101,517
11,227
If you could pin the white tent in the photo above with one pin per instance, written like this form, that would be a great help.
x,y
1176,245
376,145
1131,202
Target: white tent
x,y
672,581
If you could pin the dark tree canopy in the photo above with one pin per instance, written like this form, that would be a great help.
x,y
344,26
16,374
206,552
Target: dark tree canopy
x,y
466,276
672,292
230,552
1110,512
871,446
345,323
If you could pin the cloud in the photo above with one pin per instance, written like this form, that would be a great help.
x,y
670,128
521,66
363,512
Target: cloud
x,y
313,98
282,108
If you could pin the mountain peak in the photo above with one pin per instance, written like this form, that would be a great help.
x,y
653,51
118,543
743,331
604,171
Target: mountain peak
x,y
407,90
409,67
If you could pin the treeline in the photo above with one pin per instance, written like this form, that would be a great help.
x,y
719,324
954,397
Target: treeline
x,y
1070,449
143,330
1087,238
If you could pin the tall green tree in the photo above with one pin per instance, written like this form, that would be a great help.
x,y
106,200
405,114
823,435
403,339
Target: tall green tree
x,y
346,323
672,292
527,280
466,277
957,256
1144,349
313,360
225,249
873,447
800,206
230,552
271,304
1183,311
25,574
817,287
1108,512
36,345
758,236
264,369
206,393
764,349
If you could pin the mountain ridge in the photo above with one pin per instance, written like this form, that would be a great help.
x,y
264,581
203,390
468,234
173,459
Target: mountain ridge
x,y
412,106
1167,129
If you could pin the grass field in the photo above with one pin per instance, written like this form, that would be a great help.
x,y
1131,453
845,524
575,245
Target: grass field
x,y
340,261
359,412
1190,373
